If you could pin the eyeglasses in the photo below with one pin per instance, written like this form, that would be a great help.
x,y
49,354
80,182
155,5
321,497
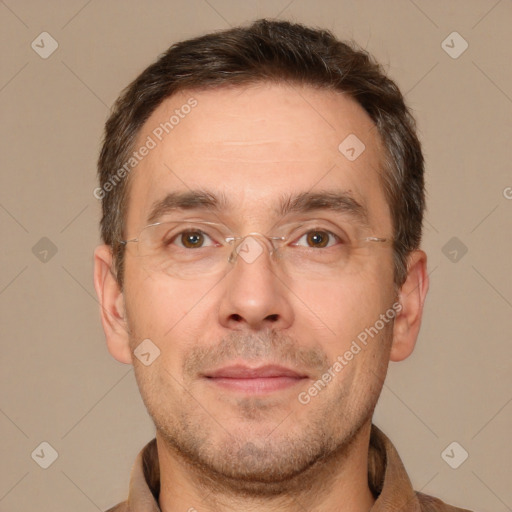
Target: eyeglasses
x,y
195,249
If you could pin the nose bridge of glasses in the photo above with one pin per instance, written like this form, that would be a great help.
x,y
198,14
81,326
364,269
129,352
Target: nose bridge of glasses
x,y
249,247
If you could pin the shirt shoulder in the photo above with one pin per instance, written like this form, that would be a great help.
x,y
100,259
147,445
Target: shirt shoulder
x,y
432,504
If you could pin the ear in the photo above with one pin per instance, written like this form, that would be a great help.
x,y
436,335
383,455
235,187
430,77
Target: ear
x,y
113,314
411,297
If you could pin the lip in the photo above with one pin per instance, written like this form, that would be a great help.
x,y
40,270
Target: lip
x,y
254,380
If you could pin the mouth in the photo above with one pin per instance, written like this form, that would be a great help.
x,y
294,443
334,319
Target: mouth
x,y
254,380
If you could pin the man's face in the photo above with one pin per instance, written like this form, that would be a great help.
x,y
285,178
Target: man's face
x,y
238,349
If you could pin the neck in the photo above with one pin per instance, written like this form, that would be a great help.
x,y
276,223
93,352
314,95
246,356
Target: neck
x,y
337,483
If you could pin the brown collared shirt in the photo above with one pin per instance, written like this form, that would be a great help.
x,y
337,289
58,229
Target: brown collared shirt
x,y
387,479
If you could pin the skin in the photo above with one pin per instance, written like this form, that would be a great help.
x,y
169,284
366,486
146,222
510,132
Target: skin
x,y
222,449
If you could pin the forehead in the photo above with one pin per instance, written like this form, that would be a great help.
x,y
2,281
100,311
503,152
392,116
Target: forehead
x,y
255,145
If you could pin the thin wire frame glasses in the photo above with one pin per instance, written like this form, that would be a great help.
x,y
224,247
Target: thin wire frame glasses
x,y
195,249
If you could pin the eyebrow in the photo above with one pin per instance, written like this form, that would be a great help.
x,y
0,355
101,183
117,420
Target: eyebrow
x,y
192,200
339,201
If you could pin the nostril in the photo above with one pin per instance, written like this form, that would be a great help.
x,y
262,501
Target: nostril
x,y
236,317
272,318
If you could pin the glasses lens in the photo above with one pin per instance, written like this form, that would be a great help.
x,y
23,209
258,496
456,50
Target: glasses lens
x,y
183,249
315,249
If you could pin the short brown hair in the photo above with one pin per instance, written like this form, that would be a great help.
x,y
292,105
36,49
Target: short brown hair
x,y
282,52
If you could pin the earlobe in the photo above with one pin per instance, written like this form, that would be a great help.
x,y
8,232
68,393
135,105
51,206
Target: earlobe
x,y
412,298
113,314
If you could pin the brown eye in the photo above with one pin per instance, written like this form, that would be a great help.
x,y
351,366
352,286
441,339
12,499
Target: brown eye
x,y
319,239
192,239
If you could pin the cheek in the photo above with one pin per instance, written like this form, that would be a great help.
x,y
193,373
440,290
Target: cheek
x,y
158,303
336,314
172,313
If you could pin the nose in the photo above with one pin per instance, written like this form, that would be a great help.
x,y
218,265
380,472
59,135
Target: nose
x,y
255,295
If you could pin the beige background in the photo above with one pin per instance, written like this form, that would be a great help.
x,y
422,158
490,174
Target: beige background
x,y
58,382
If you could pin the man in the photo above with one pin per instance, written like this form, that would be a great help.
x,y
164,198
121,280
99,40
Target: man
x,y
263,195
